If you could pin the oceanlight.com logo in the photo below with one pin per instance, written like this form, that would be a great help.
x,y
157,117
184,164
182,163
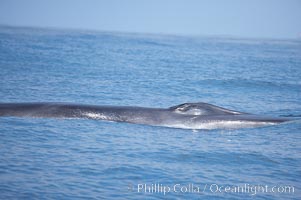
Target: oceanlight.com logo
x,y
158,188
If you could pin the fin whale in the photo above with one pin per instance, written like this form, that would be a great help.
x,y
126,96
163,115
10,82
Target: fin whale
x,y
188,115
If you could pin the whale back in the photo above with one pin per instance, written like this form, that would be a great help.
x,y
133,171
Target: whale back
x,y
202,109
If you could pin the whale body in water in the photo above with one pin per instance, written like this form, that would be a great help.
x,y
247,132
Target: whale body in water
x,y
187,115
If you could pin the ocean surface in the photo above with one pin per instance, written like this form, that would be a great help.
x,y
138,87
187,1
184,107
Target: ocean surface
x,y
91,159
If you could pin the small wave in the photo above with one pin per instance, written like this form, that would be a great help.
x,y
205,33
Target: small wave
x,y
291,115
221,125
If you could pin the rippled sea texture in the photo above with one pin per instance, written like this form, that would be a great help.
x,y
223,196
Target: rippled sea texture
x,y
78,158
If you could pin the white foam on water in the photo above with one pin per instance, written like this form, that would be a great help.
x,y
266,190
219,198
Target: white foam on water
x,y
96,116
221,125
205,125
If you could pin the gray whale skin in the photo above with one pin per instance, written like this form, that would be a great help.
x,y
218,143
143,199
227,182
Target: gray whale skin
x,y
187,115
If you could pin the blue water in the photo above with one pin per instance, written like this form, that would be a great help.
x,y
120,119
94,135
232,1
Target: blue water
x,y
89,159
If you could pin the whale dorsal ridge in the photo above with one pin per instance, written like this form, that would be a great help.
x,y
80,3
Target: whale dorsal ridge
x,y
202,109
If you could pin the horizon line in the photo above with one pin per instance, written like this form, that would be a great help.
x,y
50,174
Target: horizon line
x,y
226,36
